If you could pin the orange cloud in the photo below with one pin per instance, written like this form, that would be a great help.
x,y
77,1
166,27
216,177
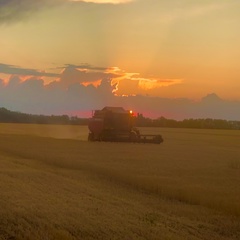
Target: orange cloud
x,y
148,84
95,83
122,82
132,83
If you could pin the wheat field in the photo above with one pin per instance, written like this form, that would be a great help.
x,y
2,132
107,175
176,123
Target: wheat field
x,y
56,185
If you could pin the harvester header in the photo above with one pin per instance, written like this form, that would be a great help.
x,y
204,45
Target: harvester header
x,y
115,124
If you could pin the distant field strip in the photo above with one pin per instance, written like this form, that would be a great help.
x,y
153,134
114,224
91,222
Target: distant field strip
x,y
56,185
197,172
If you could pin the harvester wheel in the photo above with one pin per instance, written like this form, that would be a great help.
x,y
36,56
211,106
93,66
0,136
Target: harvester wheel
x,y
100,137
90,137
133,136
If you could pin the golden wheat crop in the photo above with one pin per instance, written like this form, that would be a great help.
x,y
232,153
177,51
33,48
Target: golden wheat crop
x,y
56,185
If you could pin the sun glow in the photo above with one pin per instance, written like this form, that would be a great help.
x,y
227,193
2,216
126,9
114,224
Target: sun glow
x,y
95,83
148,84
126,80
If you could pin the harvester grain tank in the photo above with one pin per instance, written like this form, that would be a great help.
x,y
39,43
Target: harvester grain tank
x,y
115,124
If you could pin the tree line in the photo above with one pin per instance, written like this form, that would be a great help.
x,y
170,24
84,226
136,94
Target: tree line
x,y
7,116
206,123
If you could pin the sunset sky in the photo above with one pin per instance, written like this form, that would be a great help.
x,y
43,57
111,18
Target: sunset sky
x,y
166,50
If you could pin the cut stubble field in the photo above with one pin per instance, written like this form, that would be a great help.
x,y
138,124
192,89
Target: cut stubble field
x,y
56,185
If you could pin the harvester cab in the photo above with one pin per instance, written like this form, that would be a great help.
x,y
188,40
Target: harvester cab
x,y
116,124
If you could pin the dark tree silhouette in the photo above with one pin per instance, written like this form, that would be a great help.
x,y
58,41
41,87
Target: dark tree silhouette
x,y
7,116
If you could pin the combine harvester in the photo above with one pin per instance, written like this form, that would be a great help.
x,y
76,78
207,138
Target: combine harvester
x,y
114,124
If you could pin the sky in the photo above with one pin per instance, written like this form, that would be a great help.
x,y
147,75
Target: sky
x,y
173,58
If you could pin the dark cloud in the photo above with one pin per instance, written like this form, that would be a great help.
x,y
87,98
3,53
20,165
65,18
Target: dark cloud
x,y
182,108
84,74
70,74
12,70
32,96
14,10
68,94
17,10
87,67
